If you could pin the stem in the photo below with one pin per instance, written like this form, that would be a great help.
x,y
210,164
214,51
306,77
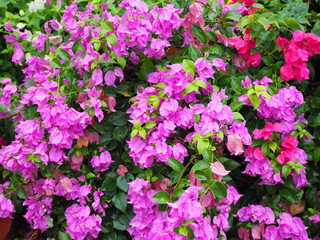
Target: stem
x,y
11,115
183,171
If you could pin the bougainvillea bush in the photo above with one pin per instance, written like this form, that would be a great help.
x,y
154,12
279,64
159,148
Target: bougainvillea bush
x,y
160,119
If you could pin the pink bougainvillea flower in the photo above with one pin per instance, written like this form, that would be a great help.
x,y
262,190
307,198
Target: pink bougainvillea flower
x,y
234,144
218,169
122,170
102,162
6,207
97,77
76,162
266,132
110,78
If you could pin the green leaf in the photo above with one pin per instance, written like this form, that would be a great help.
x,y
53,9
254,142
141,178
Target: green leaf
x,y
122,61
255,100
146,68
293,23
199,166
122,184
268,60
233,15
265,149
22,193
231,165
264,22
77,47
143,133
63,236
191,87
64,54
286,170
237,115
273,146
194,53
112,39
3,108
216,49
105,28
198,32
121,222
118,118
244,21
108,26
90,175
219,190
161,197
150,124
213,37
207,155
120,202
55,63
175,164
291,195
109,183
188,66
316,155
120,132
200,83
4,3
177,192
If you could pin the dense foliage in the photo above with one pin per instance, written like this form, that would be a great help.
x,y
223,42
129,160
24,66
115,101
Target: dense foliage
x,y
160,120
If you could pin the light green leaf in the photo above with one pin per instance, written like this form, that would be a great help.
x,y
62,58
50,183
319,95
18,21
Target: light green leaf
x,y
188,66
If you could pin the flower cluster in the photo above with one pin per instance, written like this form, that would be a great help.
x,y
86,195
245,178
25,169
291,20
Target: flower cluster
x,y
244,46
296,54
80,224
287,226
70,160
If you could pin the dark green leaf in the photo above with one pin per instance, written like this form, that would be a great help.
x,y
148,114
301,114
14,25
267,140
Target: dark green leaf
x,y
175,164
194,53
230,165
146,68
120,202
213,37
268,60
63,54
77,47
109,183
161,197
118,118
122,184
3,109
199,33
177,192
207,155
22,193
120,132
219,190
316,155
63,236
121,222
199,166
